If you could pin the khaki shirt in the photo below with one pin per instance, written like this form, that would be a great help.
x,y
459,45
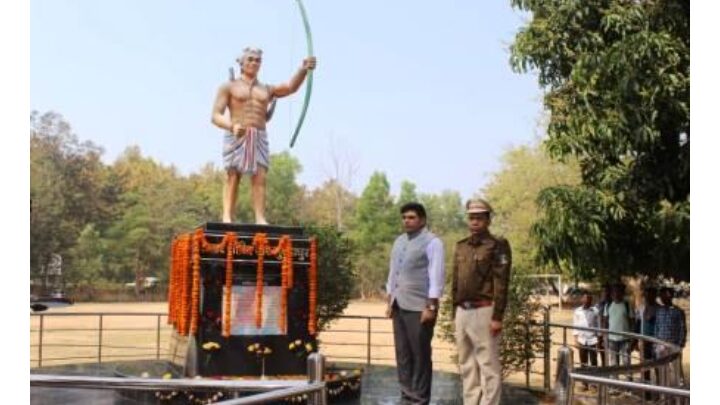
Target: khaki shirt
x,y
481,271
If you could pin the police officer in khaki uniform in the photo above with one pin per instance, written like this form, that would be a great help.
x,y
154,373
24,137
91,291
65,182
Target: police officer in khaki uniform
x,y
481,272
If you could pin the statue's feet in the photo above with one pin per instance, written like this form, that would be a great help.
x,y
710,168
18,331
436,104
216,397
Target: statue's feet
x,y
227,220
261,221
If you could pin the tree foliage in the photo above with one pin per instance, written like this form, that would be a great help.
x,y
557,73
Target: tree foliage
x,y
375,225
115,222
520,343
336,280
287,196
513,192
445,211
617,81
408,193
67,188
327,204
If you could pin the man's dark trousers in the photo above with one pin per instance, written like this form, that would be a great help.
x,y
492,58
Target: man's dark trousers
x,y
413,355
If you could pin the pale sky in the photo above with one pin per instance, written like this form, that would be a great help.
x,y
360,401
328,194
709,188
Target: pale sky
x,y
420,90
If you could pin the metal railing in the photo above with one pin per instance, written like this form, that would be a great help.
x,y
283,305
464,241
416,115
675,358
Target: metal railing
x,y
372,338
371,335
98,341
663,377
265,390
92,342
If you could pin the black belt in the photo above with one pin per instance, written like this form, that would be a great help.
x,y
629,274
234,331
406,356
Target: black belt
x,y
475,304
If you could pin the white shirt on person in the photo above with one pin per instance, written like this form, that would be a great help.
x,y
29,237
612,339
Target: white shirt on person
x,y
586,318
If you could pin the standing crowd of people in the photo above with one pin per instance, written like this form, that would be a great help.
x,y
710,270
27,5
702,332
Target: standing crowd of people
x,y
662,320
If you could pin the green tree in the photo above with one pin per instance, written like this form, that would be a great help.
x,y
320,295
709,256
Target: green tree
x,y
374,227
513,192
87,258
115,223
68,188
284,195
408,193
335,275
327,204
617,81
206,187
445,211
156,204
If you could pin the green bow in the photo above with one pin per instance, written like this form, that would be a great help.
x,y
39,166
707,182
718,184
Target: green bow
x,y
308,88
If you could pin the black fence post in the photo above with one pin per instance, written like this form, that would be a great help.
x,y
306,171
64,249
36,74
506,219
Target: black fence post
x,y
546,348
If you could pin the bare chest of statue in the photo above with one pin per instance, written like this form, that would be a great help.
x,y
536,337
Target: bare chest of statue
x,y
248,103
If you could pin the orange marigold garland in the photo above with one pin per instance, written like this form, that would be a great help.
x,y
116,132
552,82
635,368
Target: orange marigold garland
x,y
283,250
229,240
183,296
184,289
312,284
177,296
195,292
287,260
219,247
260,243
227,245
287,269
175,284
173,281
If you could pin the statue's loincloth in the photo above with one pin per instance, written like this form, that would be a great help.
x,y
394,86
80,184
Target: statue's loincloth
x,y
243,154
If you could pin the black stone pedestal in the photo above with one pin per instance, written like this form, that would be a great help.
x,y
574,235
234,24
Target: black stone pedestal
x,y
233,358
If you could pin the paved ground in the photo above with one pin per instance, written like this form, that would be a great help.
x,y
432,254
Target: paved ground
x,y
379,386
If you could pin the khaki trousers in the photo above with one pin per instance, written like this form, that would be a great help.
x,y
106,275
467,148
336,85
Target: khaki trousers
x,y
479,356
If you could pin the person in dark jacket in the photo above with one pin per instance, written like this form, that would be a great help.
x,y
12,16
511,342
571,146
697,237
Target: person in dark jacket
x,y
481,274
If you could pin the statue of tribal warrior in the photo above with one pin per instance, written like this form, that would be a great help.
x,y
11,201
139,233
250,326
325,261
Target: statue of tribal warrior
x,y
245,145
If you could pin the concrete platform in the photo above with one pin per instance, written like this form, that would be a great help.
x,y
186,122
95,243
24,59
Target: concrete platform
x,y
379,386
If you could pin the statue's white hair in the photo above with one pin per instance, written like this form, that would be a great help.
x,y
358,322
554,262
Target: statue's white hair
x,y
248,51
